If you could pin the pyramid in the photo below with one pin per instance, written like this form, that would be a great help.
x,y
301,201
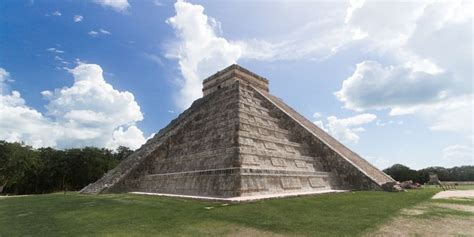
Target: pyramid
x,y
238,140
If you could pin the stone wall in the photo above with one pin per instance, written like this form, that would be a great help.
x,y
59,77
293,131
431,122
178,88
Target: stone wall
x,y
347,175
272,161
201,158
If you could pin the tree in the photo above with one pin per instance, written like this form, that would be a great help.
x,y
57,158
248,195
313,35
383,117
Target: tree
x,y
122,152
402,173
16,161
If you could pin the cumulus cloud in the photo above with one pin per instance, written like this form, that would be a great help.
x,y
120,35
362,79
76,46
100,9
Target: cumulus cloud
x,y
91,109
354,5
387,24
346,129
132,137
77,18
199,50
373,86
18,122
88,113
431,73
4,78
117,5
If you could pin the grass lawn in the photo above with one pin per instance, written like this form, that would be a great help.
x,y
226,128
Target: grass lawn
x,y
73,214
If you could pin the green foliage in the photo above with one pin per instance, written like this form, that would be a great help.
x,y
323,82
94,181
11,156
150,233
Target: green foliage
x,y
24,170
16,162
343,214
403,173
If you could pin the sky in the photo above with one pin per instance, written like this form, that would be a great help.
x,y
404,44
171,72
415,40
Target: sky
x,y
392,80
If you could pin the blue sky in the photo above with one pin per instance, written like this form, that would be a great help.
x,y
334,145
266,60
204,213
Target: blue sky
x,y
391,80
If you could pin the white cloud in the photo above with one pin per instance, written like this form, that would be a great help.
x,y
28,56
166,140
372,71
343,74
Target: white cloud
x,y
435,98
432,44
77,18
91,109
117,5
104,32
346,129
459,154
88,113
315,40
387,24
354,5
373,86
18,122
99,32
4,78
317,115
4,75
132,137
55,50
281,35
56,13
199,50
455,115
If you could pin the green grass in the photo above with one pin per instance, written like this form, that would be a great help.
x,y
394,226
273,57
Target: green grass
x,y
344,214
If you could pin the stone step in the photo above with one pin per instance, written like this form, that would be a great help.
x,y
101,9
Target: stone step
x,y
364,166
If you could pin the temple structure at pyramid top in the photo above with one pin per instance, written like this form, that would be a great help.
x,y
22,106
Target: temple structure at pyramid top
x,y
230,75
240,141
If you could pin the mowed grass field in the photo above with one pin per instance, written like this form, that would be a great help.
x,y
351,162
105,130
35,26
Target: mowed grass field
x,y
72,214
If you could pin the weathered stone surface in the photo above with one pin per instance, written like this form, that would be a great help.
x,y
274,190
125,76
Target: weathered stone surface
x,y
409,185
392,187
238,140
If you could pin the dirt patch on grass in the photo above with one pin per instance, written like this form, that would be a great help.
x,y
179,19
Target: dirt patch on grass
x,y
14,196
430,219
438,226
457,207
244,231
414,212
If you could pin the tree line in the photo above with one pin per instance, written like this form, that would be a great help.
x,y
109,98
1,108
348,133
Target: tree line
x,y
403,173
25,170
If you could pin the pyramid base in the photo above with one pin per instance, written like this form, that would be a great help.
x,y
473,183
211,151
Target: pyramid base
x,y
245,198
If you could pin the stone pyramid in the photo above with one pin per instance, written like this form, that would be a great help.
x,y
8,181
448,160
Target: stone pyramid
x,y
238,140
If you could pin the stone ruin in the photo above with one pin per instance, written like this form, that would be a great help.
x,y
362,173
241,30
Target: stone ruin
x,y
238,140
433,179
